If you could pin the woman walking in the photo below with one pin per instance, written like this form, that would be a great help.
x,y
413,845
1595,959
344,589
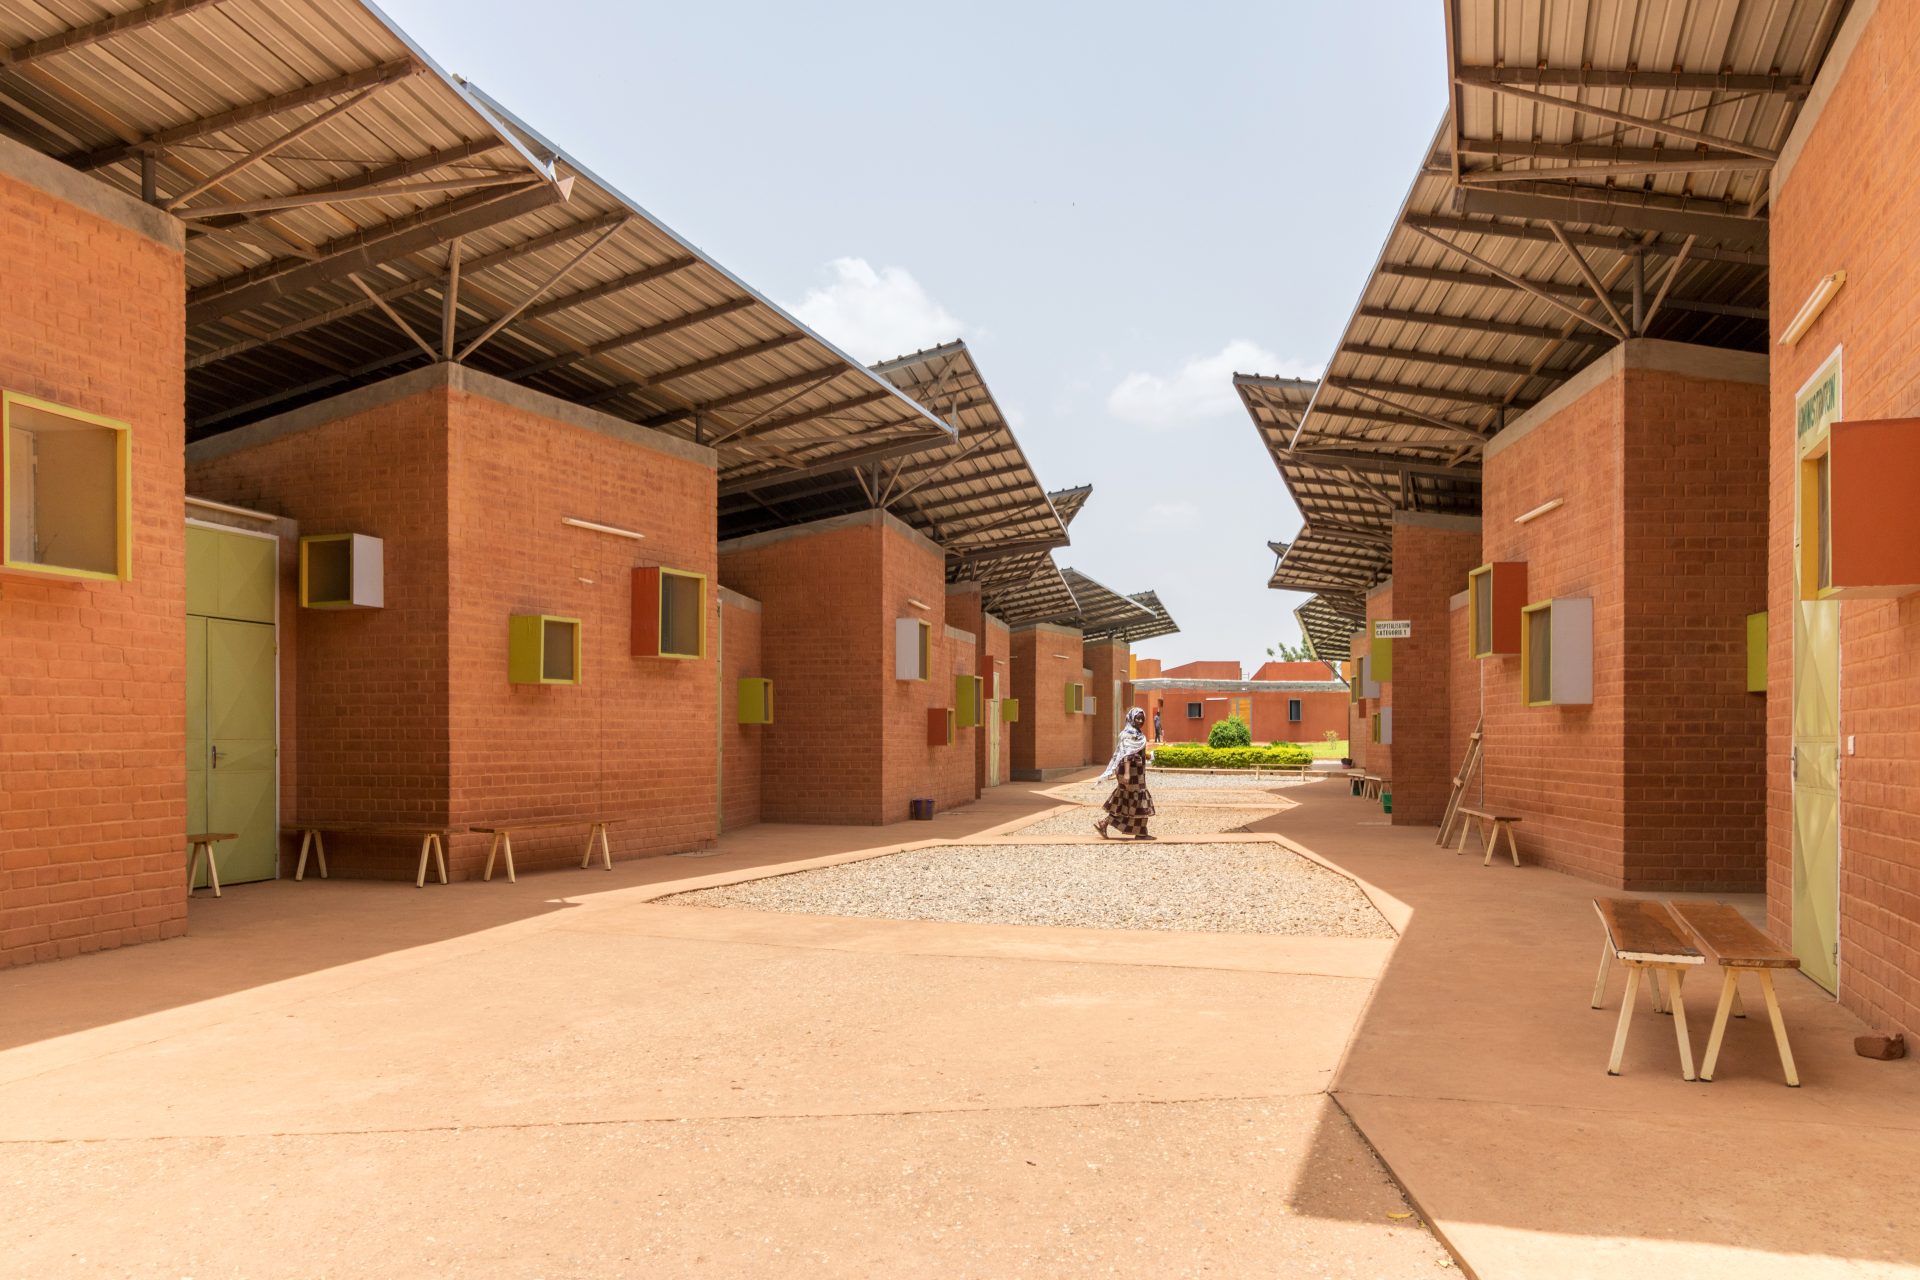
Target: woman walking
x,y
1130,805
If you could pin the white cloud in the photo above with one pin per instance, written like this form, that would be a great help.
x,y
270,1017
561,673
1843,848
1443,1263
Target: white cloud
x,y
1172,515
1202,387
875,314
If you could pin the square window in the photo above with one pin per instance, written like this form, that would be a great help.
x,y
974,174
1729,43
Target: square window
x,y
67,490
1196,711
1293,710
669,613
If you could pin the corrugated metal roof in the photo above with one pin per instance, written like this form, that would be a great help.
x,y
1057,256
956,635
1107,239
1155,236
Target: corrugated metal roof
x,y
1160,624
1022,585
1601,174
972,493
1098,608
332,177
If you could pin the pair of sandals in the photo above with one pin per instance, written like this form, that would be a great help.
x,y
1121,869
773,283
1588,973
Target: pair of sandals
x,y
1100,825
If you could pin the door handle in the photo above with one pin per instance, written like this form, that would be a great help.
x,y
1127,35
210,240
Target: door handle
x,y
215,756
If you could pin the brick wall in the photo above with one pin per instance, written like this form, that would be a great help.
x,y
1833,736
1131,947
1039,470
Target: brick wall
x,y
1107,660
1046,741
966,612
850,742
1360,745
1842,202
370,733
1678,816
997,646
92,725
740,780
1463,698
1432,556
405,713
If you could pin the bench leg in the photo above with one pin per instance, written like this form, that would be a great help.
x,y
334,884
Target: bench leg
x,y
1493,842
506,847
598,831
1600,983
1779,1028
193,865
1466,825
193,868
1626,1020
486,876
320,851
1729,992
426,847
1512,848
440,857
300,868
1653,990
1679,1008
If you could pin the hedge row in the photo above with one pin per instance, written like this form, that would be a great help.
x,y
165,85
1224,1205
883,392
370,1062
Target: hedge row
x,y
1192,755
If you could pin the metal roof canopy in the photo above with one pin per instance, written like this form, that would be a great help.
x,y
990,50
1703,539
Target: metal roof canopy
x,y
354,212
1599,175
970,493
1161,623
1024,585
1098,608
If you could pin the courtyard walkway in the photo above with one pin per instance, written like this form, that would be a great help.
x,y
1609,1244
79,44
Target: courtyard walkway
x,y
565,1078
1478,1072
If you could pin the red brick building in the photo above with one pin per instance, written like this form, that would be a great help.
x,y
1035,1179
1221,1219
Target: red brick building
x,y
1283,702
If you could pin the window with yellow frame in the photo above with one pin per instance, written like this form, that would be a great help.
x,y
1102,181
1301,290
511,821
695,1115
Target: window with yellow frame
x,y
66,490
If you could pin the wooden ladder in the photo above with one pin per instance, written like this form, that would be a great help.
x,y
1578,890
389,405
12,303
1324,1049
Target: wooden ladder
x,y
1461,781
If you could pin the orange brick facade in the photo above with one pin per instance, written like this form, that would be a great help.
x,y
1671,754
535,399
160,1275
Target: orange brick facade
x,y
1657,453
849,742
1842,201
93,721
1432,556
740,744
1269,712
966,611
405,714
1047,740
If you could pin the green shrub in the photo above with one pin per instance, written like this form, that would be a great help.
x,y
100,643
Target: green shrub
x,y
1231,732
1191,755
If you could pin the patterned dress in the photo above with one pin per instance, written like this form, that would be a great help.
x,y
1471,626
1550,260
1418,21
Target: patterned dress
x,y
1131,804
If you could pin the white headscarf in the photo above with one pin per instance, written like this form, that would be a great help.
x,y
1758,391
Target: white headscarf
x,y
1132,741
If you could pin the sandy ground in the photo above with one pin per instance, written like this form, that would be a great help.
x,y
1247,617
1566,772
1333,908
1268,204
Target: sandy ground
x,y
564,1078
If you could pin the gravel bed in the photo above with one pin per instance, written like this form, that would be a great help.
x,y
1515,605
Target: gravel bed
x,y
1203,888
1096,793
1172,820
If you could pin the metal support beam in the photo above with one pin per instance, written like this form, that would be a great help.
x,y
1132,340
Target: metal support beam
x,y
450,299
1637,122
633,279
635,338
554,277
349,309
1398,420
1638,276
352,82
1666,283
94,32
364,250
1610,242
1614,169
394,190
1468,324
811,377
1604,78
1005,550
260,153
1528,286
1613,209
812,415
1405,389
1436,360
399,320
1593,281
1385,463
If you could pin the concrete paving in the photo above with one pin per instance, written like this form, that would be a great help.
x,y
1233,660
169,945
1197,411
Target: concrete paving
x,y
562,1077
1478,1072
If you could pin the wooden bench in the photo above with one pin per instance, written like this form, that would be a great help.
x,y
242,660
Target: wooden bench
x,y
1356,781
200,845
1729,940
1374,786
1644,938
313,835
502,834
1492,824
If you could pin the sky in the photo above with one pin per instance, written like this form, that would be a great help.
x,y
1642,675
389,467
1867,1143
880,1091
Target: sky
x,y
1118,206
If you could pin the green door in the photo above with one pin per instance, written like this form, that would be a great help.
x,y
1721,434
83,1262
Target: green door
x,y
1816,713
232,733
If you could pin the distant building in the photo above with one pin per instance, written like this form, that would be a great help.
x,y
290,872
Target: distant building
x,y
1283,702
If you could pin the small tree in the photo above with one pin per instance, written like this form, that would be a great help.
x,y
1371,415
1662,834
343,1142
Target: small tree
x,y
1231,732
1285,652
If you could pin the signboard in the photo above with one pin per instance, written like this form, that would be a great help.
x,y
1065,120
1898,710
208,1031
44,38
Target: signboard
x,y
1392,630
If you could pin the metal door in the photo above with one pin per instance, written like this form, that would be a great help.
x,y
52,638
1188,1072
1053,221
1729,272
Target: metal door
x,y
1816,719
232,692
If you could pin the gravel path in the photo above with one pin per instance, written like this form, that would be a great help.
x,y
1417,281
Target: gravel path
x,y
1096,793
1172,820
1205,888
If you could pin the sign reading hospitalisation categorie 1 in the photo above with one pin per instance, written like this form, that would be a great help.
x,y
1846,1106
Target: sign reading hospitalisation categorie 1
x,y
1392,630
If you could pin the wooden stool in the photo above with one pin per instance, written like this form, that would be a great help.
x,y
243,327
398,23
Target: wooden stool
x,y
1731,942
1644,938
1493,824
200,845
